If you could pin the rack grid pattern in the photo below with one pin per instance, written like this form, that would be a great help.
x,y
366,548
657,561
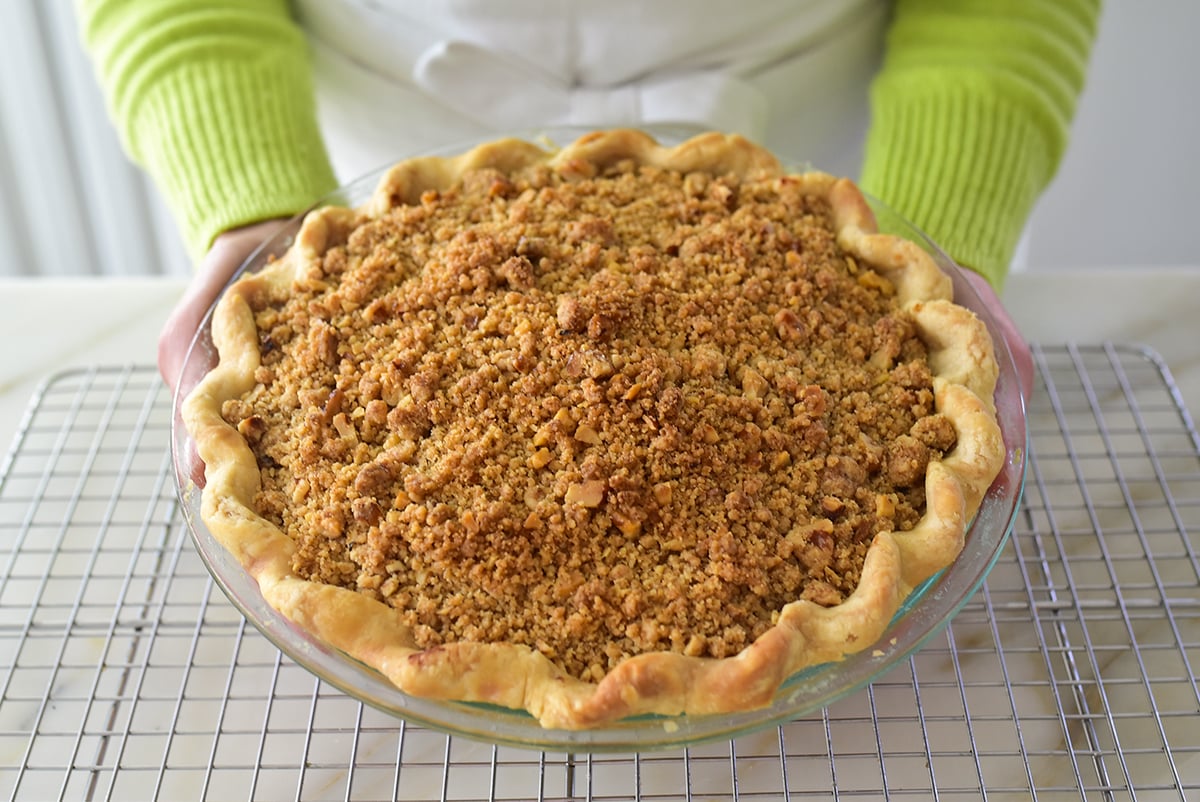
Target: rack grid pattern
x,y
125,674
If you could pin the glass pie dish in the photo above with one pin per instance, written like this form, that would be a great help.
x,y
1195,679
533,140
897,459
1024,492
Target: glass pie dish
x,y
927,610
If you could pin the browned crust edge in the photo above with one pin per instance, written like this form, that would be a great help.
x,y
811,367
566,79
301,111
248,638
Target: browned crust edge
x,y
666,683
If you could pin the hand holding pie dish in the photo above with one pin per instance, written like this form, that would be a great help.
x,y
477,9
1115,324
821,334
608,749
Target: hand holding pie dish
x,y
595,432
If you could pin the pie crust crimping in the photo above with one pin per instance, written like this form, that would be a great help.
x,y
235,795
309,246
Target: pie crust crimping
x,y
613,429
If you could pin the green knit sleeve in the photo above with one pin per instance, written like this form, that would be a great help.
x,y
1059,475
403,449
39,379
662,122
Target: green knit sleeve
x,y
214,101
970,117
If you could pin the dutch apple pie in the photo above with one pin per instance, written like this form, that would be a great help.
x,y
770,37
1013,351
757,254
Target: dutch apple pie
x,y
609,429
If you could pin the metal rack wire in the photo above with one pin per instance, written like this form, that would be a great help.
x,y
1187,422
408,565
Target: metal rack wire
x,y
125,674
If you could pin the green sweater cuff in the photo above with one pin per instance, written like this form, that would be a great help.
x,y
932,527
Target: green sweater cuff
x,y
964,165
229,146
215,101
971,114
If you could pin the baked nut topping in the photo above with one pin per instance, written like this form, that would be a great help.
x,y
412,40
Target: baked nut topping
x,y
614,429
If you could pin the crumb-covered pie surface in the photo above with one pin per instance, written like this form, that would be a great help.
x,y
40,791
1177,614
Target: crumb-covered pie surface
x,y
613,429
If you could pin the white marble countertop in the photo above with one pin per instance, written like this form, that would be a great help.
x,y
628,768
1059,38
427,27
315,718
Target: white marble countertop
x,y
52,324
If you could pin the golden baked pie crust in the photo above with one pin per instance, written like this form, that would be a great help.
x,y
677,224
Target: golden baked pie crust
x,y
519,677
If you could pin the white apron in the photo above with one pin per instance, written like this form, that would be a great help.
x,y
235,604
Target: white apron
x,y
398,77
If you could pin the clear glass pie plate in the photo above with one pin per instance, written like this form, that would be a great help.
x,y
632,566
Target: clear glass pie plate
x,y
924,614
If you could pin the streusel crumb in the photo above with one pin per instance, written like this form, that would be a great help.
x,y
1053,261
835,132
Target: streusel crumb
x,y
598,415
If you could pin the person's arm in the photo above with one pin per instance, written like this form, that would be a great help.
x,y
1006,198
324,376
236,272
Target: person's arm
x,y
970,117
214,100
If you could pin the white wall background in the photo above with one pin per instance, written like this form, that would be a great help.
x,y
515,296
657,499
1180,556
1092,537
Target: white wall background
x,y
70,203
1128,192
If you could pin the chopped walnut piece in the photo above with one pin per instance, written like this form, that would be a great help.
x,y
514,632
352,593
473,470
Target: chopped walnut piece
x,y
586,494
541,458
252,427
586,434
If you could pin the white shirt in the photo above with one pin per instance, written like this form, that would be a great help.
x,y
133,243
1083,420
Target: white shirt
x,y
399,77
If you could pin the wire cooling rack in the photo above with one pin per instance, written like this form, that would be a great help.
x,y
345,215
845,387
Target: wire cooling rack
x,y
1072,674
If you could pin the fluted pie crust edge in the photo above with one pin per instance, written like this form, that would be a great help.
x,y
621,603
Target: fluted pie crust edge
x,y
965,373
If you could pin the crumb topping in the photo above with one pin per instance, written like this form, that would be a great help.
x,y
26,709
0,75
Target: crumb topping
x,y
597,414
